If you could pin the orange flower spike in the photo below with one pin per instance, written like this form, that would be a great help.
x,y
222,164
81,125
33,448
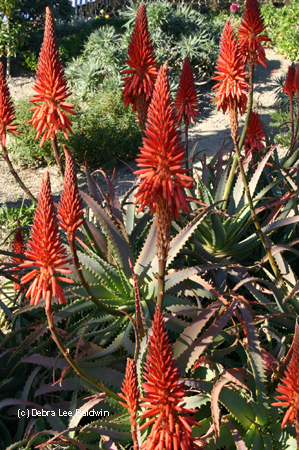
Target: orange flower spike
x,y
255,136
18,247
139,84
45,252
51,89
289,387
250,37
162,156
7,113
186,98
171,421
232,86
131,396
70,210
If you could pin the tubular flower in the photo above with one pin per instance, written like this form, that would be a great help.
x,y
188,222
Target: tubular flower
x,y
186,98
289,85
171,421
51,89
255,137
289,387
45,252
70,210
139,84
250,37
18,247
7,114
162,155
232,86
131,396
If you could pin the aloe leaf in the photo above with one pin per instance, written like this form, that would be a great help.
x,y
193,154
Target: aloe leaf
x,y
64,385
99,271
260,167
84,409
214,403
99,237
238,406
256,362
147,253
191,332
130,213
237,192
5,435
91,184
221,186
188,357
292,160
25,393
257,441
179,240
119,241
219,237
219,169
240,444
105,375
114,202
45,361
280,223
203,193
140,226
114,434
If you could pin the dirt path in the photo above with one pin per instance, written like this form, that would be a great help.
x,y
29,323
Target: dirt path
x,y
212,128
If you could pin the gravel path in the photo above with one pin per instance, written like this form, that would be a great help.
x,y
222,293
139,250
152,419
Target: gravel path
x,y
209,132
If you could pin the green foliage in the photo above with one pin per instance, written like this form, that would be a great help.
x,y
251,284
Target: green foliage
x,y
282,27
104,132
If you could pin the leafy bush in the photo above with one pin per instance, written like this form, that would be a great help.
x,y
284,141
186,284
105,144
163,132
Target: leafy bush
x,y
104,132
283,28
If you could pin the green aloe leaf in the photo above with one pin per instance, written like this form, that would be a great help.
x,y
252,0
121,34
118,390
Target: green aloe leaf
x,y
118,240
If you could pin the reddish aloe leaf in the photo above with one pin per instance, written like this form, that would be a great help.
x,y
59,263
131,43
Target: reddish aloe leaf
x,y
191,332
85,408
196,349
64,385
240,444
214,403
113,198
46,361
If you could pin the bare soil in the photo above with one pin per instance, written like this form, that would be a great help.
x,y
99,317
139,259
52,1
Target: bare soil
x,y
209,132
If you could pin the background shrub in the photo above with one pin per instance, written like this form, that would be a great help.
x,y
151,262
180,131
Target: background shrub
x,y
283,28
104,131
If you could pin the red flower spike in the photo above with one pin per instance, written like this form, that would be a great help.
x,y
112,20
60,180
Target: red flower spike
x,y
171,421
289,85
296,80
289,387
131,396
18,247
250,37
232,86
255,137
45,252
162,156
142,75
51,89
70,210
186,98
7,113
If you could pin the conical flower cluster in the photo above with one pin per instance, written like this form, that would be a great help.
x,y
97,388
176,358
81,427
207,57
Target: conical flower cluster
x,y
186,102
139,84
131,396
45,252
296,81
51,89
232,86
289,85
255,136
18,247
250,36
289,387
170,421
7,114
162,156
70,210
